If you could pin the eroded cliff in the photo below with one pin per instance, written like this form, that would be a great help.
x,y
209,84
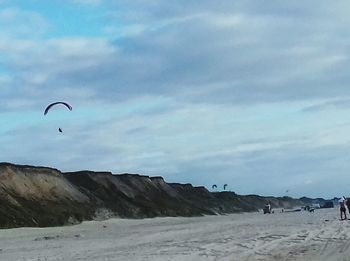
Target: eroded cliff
x,y
41,196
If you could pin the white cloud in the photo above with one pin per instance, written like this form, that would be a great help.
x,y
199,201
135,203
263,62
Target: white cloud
x,y
217,56
18,23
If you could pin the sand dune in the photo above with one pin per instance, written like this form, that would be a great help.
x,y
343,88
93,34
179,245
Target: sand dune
x,y
279,236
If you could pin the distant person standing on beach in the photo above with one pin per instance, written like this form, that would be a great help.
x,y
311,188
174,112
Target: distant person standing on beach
x,y
348,204
342,204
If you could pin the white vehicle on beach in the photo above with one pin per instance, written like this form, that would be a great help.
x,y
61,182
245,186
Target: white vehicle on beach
x,y
316,205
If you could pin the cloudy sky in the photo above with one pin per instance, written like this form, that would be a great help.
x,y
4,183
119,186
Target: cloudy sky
x,y
254,94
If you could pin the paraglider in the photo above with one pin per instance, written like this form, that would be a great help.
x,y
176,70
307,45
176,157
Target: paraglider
x,y
214,186
55,103
48,108
225,185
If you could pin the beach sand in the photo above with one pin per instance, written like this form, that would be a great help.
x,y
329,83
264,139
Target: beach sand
x,y
249,236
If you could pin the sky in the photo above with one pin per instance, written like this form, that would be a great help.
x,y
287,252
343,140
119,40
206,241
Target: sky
x,y
253,94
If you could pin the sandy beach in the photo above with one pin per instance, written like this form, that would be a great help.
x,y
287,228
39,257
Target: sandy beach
x,y
249,236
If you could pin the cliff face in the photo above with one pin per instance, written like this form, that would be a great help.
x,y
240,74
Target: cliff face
x,y
134,196
40,196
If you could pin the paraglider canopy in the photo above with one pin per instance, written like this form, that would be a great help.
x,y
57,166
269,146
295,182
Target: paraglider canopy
x,y
55,103
60,130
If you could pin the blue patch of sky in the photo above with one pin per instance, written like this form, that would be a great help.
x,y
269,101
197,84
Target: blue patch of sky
x,y
3,68
13,120
5,73
67,19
